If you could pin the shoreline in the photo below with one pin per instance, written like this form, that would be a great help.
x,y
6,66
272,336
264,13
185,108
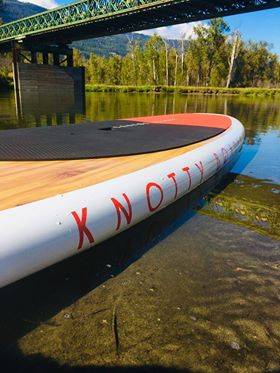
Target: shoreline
x,y
184,90
271,92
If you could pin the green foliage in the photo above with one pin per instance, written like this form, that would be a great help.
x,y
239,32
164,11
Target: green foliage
x,y
186,66
201,61
184,90
5,69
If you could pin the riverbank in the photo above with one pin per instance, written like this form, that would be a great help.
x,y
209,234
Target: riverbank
x,y
215,91
184,90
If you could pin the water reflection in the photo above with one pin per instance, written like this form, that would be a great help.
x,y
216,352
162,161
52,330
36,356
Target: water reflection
x,y
248,202
51,109
38,110
258,114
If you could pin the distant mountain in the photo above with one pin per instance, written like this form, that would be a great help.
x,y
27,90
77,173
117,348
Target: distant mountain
x,y
108,45
116,44
12,10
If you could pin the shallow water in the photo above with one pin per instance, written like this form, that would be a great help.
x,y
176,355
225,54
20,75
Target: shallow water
x,y
194,287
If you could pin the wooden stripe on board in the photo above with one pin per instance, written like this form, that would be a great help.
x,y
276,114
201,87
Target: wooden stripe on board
x,y
25,182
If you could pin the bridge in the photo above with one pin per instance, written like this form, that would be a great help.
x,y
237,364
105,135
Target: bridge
x,y
86,19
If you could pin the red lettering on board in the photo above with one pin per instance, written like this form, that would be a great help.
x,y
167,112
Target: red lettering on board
x,y
217,160
148,188
120,208
187,170
172,176
83,229
201,170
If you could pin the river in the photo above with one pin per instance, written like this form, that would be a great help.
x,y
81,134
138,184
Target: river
x,y
194,287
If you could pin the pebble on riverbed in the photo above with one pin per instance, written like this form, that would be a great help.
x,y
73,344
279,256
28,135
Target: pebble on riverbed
x,y
235,346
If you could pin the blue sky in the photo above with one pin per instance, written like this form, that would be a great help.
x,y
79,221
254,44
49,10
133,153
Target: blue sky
x,y
263,25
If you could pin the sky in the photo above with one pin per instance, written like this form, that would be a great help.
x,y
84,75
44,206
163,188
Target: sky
x,y
262,25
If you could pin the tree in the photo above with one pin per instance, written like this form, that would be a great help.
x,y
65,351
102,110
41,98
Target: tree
x,y
234,53
5,65
166,62
210,57
78,58
152,51
210,41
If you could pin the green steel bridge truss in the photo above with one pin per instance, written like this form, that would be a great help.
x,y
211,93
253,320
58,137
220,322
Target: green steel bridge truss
x,y
93,18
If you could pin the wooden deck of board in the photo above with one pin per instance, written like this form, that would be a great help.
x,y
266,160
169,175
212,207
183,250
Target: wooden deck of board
x,y
25,182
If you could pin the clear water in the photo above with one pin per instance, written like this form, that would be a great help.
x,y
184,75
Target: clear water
x,y
194,287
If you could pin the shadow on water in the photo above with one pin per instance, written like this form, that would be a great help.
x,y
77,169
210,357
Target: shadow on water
x,y
31,302
37,363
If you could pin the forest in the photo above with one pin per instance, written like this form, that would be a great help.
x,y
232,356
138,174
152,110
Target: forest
x,y
214,56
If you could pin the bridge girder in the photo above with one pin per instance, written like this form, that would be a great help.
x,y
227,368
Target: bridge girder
x,y
94,18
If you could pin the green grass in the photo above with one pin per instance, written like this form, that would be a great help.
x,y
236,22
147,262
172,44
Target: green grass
x,y
185,90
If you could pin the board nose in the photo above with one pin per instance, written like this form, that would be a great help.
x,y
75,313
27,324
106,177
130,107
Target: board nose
x,y
188,119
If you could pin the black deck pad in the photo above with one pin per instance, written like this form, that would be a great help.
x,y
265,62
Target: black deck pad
x,y
98,139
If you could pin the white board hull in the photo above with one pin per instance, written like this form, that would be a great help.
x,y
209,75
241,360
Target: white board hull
x,y
39,234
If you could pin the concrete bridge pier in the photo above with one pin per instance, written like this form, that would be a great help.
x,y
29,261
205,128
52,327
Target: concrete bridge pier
x,y
45,76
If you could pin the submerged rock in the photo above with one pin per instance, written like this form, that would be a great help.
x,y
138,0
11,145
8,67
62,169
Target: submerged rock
x,y
235,346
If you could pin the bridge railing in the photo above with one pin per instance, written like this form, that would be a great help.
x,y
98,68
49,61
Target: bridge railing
x,y
62,17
